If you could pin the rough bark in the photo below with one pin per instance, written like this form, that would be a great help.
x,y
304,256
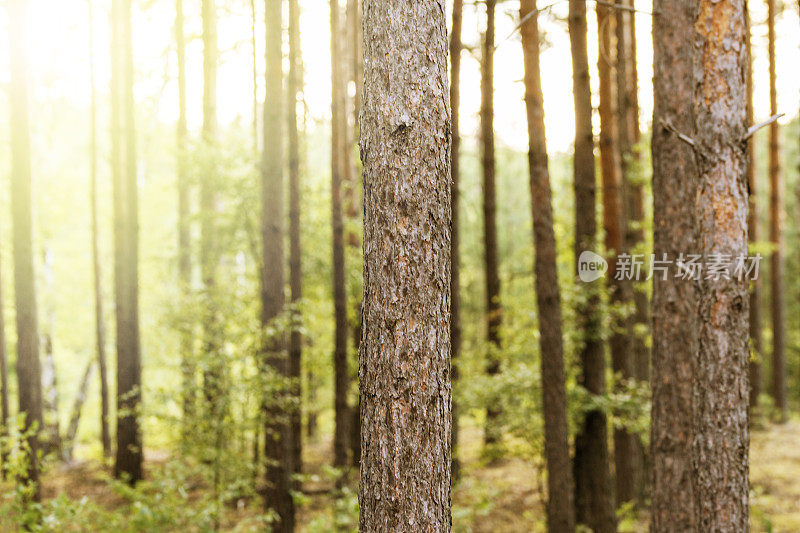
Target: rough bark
x,y
128,463
277,436
99,317
455,261
560,510
776,191
756,342
405,345
293,89
700,355
594,497
28,366
338,163
494,311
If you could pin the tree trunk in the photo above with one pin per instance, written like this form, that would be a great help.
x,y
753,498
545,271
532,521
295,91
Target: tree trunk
x,y
700,327
560,511
28,365
338,141
77,408
51,430
277,437
100,326
455,262
626,469
594,497
293,89
776,191
632,197
5,414
494,311
128,462
405,343
752,227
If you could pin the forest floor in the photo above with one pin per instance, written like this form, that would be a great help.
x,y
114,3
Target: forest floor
x,y
503,496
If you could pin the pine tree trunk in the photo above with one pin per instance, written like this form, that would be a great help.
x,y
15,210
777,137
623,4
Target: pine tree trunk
x,y
700,328
560,510
752,227
776,191
594,497
293,89
338,141
100,325
494,311
405,344
128,462
455,262
277,435
28,366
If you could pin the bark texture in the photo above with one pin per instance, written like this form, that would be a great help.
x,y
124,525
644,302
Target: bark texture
x,y
128,463
594,496
338,163
455,258
699,432
776,207
560,510
277,434
494,311
405,345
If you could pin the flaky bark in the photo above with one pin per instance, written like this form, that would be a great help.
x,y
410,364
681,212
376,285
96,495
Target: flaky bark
x,y
128,462
455,260
28,366
405,344
494,311
593,490
776,191
560,511
338,163
293,89
277,432
700,328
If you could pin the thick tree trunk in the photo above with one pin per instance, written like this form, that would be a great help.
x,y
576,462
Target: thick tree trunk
x,y
455,261
293,89
277,436
560,510
776,191
405,344
184,223
594,496
128,462
338,163
752,227
627,469
100,324
494,311
28,365
700,327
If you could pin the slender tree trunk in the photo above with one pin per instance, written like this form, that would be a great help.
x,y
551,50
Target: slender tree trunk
x,y
614,221
560,510
277,437
700,326
455,262
28,365
752,227
100,325
638,324
128,462
338,140
405,343
50,401
776,191
5,413
494,311
77,409
594,497
293,89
